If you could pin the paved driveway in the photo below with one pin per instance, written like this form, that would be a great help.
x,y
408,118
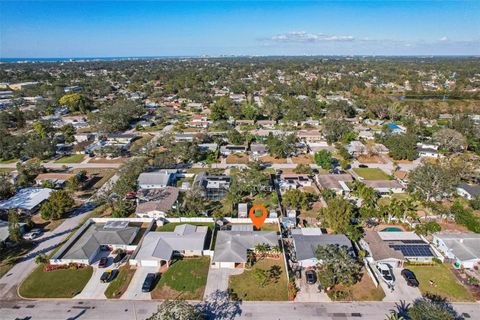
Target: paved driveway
x,y
134,290
309,292
401,291
95,289
218,280
48,242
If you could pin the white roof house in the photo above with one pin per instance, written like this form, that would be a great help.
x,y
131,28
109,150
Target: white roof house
x,y
155,180
27,200
185,240
464,248
231,246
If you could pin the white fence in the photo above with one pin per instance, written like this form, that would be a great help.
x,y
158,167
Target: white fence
x,y
212,220
371,272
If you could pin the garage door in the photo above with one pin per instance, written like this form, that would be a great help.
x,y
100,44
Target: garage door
x,y
149,263
230,265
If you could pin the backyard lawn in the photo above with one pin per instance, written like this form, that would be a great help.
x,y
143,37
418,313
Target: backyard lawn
x,y
171,226
55,284
246,285
371,173
120,284
8,161
444,281
75,158
184,279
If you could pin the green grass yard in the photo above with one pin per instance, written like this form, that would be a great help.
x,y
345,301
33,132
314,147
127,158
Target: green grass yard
x,y
444,280
371,173
75,158
9,256
171,226
55,284
120,284
184,279
246,286
8,161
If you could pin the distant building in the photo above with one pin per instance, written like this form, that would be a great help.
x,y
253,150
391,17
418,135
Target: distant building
x,y
468,191
27,200
155,179
212,187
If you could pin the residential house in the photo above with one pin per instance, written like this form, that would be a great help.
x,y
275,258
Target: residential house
x,y
156,179
27,200
231,246
335,182
385,187
306,241
208,147
212,187
97,235
394,248
58,180
428,150
155,203
463,249
258,150
267,124
4,233
159,248
199,121
468,191
294,181
231,149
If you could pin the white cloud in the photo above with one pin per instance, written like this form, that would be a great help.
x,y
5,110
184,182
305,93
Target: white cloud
x,y
444,39
302,36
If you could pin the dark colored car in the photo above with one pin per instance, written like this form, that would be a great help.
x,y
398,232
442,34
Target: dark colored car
x,y
311,276
119,257
362,166
103,262
409,276
149,282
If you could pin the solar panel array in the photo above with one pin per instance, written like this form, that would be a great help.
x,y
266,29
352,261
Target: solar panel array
x,y
414,250
414,241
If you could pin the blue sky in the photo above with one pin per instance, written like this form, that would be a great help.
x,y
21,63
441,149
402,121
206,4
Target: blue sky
x,y
161,28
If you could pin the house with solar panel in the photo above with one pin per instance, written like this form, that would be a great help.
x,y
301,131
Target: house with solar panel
x,y
396,248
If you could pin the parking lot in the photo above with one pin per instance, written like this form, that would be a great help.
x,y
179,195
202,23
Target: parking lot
x,y
309,292
134,291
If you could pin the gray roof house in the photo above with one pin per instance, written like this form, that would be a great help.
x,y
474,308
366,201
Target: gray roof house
x,y
155,203
231,246
158,247
85,245
462,248
307,240
155,180
468,191
4,234
27,200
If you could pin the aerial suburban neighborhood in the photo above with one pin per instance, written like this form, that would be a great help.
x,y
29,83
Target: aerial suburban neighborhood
x,y
190,161
138,184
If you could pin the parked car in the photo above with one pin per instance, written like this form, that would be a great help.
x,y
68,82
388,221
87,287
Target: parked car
x,y
150,280
410,277
362,166
119,257
311,276
109,275
386,273
103,262
33,234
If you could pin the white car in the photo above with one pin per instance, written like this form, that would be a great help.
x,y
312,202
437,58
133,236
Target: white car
x,y
386,273
35,233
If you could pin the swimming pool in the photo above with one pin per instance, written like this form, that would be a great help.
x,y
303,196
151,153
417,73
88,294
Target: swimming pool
x,y
392,229
393,126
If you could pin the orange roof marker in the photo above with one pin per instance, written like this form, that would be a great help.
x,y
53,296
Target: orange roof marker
x,y
258,220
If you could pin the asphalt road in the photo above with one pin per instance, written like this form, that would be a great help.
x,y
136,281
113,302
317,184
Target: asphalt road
x,y
129,310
